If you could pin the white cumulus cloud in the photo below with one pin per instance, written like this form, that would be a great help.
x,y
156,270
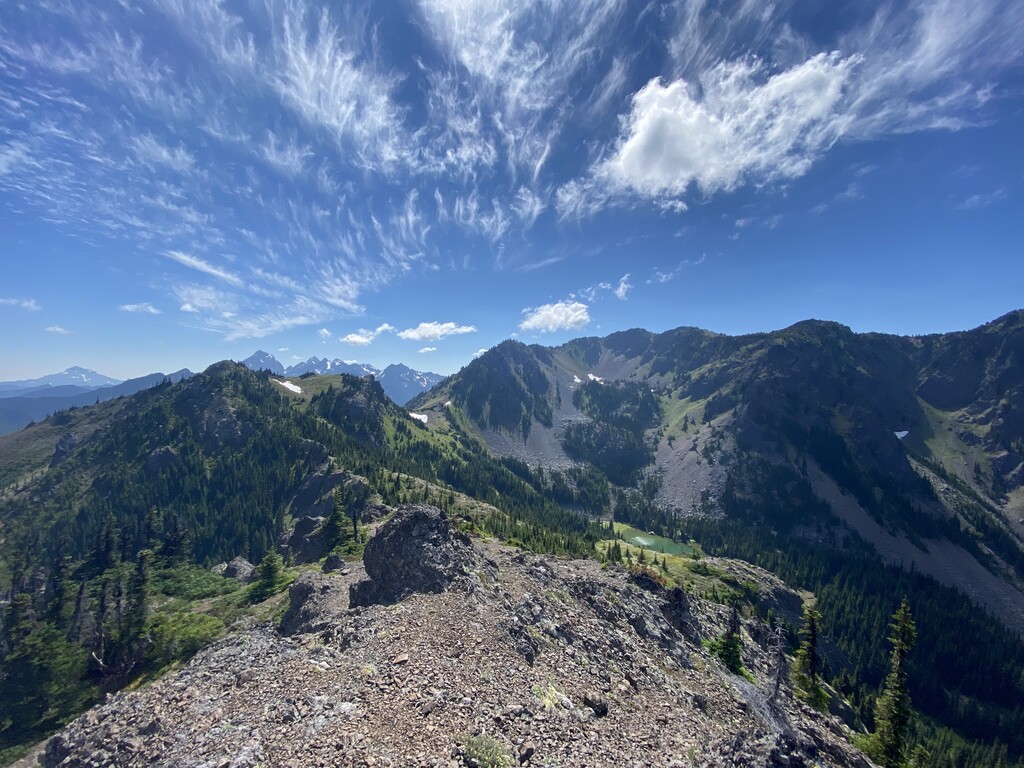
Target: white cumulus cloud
x,y
560,316
434,331
363,337
58,329
428,349
735,125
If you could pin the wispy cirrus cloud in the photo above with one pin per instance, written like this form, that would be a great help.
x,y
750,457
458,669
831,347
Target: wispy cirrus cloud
x,y
983,200
29,305
150,151
143,308
58,329
201,265
623,288
320,73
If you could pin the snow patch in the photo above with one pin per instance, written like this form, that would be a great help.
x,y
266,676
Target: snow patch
x,y
592,377
419,416
289,386
447,403
576,379
902,433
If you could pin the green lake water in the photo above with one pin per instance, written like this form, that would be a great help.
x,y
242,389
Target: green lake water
x,y
650,541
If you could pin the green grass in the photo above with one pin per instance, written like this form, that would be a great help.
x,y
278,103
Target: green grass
x,y
942,445
674,410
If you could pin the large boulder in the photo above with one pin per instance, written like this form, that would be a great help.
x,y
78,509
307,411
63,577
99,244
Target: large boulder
x,y
241,569
417,550
315,604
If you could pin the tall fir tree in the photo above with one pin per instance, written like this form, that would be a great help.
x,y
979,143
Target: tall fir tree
x,y
893,710
807,669
729,647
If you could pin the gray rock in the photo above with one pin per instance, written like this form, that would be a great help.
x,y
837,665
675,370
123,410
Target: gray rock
x,y
307,542
65,445
241,569
160,459
315,603
315,496
417,550
334,562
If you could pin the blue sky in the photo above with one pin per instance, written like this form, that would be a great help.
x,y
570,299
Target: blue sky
x,y
185,181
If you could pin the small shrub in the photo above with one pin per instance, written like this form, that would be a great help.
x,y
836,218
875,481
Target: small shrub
x,y
486,752
177,636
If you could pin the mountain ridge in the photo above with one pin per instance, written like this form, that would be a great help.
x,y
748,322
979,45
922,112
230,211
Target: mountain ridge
x,y
17,411
814,399
400,382
75,376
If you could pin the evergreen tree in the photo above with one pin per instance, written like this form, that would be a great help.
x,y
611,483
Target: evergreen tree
x,y
807,670
268,576
893,711
59,578
728,647
136,612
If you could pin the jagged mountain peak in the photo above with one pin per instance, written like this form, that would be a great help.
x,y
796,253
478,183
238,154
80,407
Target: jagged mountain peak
x,y
400,382
263,361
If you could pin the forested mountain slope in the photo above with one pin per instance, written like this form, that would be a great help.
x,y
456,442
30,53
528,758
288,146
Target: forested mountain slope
x,y
914,444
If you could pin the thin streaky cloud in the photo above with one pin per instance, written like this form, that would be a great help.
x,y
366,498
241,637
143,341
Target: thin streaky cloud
x,y
143,308
200,265
984,200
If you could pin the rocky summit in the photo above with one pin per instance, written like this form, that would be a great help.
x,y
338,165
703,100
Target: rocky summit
x,y
470,654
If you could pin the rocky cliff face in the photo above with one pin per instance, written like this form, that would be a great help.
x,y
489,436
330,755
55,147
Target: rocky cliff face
x,y
532,660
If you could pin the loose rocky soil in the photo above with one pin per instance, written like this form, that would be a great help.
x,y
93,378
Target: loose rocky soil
x,y
557,662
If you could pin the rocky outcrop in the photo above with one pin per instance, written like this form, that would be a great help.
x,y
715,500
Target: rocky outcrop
x,y
440,679
315,603
65,445
417,550
315,496
160,459
306,542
